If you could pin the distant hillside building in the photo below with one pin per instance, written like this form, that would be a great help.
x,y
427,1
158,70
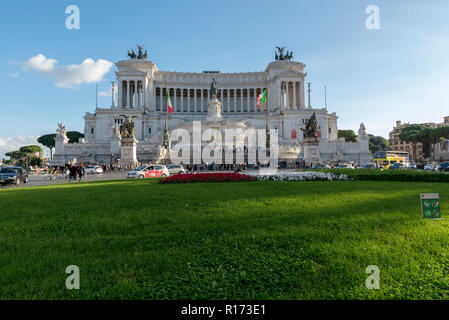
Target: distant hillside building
x,y
440,152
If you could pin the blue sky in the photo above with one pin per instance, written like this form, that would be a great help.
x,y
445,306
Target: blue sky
x,y
399,72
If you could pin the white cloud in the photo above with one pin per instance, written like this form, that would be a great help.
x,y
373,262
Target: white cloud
x,y
104,93
8,144
89,71
13,75
40,64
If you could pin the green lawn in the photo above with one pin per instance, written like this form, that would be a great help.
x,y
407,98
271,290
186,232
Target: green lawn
x,y
261,240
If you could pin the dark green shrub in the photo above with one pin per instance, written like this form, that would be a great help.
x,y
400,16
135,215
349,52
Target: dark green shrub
x,y
392,175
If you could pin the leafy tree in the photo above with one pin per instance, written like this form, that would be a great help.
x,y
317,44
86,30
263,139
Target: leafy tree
x,y
410,134
48,140
36,161
377,143
349,135
74,136
30,149
16,155
443,132
23,155
428,137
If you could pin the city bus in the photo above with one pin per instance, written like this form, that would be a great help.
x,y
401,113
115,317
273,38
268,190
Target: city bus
x,y
384,159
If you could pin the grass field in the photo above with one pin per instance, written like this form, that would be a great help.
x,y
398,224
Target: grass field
x,y
257,240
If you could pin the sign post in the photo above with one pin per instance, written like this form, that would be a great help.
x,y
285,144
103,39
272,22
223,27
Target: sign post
x,y
430,205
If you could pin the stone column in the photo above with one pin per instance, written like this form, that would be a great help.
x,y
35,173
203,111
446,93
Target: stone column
x,y
235,100
194,100
302,103
241,100
113,94
202,100
188,100
144,94
161,98
308,93
137,94
175,99
119,95
181,91
127,94
248,93
294,95
287,99
227,99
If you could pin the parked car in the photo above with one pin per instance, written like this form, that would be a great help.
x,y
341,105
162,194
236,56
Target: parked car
x,y
94,170
13,175
412,166
176,169
368,166
151,171
443,166
398,166
321,166
345,166
429,167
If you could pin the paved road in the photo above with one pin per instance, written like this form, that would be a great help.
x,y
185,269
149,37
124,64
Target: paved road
x,y
40,179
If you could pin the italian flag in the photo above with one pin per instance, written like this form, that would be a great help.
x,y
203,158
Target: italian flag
x,y
262,97
169,106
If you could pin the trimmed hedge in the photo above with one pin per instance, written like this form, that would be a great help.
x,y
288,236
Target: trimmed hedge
x,y
391,175
208,177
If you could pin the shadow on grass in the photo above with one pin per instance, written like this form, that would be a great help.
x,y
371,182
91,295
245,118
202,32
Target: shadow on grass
x,y
138,239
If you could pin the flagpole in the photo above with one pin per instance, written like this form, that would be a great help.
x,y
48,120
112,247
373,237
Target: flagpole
x,y
325,97
165,142
267,129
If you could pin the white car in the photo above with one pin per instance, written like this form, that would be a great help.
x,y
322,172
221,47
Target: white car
x,y
94,170
151,171
430,167
176,169
345,166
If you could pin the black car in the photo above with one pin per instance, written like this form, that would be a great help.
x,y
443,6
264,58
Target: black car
x,y
13,175
444,166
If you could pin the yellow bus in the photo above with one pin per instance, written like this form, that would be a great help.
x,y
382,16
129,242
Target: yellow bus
x,y
384,159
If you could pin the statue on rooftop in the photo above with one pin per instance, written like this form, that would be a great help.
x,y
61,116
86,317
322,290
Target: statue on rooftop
x,y
281,56
140,55
132,55
61,131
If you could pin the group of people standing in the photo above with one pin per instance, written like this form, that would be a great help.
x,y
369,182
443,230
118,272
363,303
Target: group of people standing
x,y
76,172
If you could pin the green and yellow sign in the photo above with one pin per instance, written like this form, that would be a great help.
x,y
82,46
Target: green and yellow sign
x,y
430,205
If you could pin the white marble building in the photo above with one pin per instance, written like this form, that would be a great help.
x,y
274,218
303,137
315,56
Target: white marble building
x,y
140,91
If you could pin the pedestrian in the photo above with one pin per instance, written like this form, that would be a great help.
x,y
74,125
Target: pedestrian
x,y
72,172
81,172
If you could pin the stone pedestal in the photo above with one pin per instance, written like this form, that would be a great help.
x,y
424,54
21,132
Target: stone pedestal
x,y
311,151
59,154
364,153
128,149
163,156
214,110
